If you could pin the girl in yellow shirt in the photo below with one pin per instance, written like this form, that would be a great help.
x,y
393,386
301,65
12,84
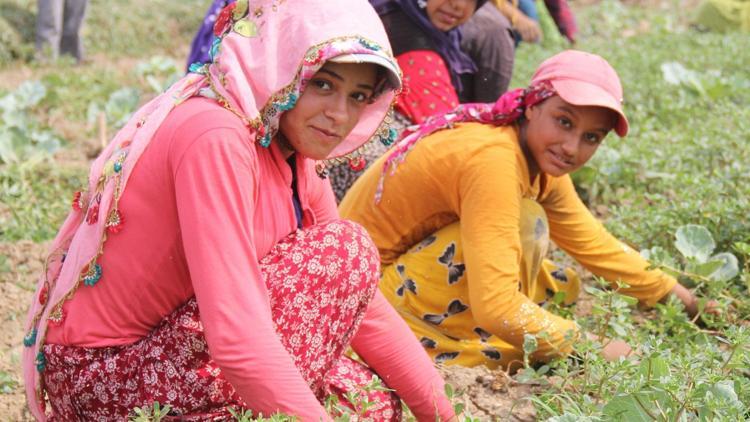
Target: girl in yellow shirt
x,y
463,208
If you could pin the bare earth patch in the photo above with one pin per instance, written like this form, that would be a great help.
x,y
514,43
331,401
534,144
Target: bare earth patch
x,y
490,395
23,262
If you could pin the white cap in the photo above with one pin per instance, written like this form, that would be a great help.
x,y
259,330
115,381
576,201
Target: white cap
x,y
393,75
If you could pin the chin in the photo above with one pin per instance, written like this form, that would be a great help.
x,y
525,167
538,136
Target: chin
x,y
555,171
315,155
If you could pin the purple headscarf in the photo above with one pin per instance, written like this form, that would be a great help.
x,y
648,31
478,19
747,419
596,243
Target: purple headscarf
x,y
448,43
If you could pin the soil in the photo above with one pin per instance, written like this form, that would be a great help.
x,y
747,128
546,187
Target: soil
x,y
20,264
490,395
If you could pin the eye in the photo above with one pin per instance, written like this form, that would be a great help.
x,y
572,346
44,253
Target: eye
x,y
592,138
360,97
565,122
322,84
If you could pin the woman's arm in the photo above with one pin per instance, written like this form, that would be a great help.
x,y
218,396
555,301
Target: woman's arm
x,y
389,347
214,191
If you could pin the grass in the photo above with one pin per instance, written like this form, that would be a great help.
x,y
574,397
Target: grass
x,y
687,96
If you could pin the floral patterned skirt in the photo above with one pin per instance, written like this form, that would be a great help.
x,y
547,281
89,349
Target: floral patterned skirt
x,y
172,365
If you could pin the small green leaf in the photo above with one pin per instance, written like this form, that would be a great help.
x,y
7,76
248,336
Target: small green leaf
x,y
725,390
706,268
694,241
728,269
529,343
626,408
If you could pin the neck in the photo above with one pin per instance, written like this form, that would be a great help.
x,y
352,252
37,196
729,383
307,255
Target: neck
x,y
531,165
284,146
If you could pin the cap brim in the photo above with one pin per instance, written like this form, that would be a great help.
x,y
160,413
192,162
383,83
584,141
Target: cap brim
x,y
585,94
393,75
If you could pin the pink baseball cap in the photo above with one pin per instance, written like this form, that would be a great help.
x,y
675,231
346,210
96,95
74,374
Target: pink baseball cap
x,y
584,79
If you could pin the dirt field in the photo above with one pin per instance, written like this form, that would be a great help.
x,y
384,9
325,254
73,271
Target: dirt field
x,y
20,263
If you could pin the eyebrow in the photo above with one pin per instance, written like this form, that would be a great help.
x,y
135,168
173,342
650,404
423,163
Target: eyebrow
x,y
571,111
339,77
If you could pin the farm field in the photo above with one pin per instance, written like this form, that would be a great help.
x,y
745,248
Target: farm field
x,y
677,188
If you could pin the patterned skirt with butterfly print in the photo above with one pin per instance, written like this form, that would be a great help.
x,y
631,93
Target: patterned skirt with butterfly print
x,y
428,287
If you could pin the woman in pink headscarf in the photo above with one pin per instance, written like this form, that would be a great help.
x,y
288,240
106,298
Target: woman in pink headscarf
x,y
205,267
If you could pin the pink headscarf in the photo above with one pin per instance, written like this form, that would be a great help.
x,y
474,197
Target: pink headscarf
x,y
266,52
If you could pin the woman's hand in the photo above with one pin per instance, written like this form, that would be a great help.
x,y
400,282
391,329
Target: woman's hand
x,y
527,27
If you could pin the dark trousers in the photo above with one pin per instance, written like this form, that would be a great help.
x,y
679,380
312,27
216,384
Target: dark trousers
x,y
58,26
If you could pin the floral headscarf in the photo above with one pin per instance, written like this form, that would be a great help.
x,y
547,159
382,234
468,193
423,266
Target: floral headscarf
x,y
264,53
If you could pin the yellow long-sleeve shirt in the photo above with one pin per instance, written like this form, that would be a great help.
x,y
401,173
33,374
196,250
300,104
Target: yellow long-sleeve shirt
x,y
478,174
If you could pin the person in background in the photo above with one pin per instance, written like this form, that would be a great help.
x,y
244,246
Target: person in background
x,y
441,67
206,267
201,46
463,209
524,18
58,29
488,39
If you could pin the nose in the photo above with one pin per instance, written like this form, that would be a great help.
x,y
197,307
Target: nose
x,y
460,4
337,109
569,146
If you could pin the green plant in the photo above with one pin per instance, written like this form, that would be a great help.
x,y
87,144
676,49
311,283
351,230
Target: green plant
x,y
22,139
150,413
159,72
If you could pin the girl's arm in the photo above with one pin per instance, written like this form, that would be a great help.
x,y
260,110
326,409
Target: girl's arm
x,y
577,231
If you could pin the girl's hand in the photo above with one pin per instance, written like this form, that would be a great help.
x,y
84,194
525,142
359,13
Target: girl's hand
x,y
615,349
612,349
691,302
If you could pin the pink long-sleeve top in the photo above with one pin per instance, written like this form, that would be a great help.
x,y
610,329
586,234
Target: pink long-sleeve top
x,y
202,206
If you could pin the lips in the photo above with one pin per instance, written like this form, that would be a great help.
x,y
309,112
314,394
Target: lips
x,y
447,17
560,161
327,134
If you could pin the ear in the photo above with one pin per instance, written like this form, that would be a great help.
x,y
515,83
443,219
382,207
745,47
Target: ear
x,y
529,112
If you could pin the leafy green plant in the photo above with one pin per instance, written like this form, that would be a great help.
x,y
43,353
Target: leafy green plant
x,y
152,413
22,138
119,107
159,72
680,371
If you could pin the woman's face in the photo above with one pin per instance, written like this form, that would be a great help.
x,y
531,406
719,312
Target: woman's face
x,y
448,14
328,109
561,137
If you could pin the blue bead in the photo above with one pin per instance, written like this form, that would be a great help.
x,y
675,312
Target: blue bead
x,y
30,338
92,279
41,361
266,140
197,67
118,166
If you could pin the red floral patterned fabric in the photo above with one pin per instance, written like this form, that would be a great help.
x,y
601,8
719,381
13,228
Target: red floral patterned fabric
x,y
320,281
427,88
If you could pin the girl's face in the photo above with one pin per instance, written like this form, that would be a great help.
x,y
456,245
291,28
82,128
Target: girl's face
x,y
328,109
561,137
448,14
